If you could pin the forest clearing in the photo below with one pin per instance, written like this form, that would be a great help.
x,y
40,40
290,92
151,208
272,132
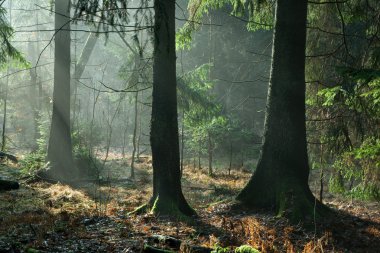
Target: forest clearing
x,y
193,126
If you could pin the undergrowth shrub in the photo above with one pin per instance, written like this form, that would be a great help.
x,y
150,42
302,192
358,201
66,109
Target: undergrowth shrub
x,y
32,162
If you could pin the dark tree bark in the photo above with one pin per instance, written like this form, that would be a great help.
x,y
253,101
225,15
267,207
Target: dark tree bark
x,y
280,181
60,147
167,197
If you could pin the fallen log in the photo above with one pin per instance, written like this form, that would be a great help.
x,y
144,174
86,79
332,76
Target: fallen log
x,y
6,185
166,240
172,243
4,155
151,249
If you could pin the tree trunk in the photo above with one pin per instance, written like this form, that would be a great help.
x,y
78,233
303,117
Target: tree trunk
x,y
167,197
60,147
230,167
84,57
321,176
199,154
134,139
78,71
126,112
280,181
139,135
182,140
210,150
34,97
5,100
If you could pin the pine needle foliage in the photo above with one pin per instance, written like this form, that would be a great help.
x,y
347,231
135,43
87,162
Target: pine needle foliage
x,y
7,50
257,13
116,15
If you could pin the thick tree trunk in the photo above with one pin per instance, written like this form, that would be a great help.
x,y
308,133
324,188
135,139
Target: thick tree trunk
x,y
167,197
60,147
281,178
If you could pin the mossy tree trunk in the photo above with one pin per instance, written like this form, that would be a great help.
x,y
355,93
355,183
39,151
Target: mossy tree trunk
x,y
167,197
60,146
280,181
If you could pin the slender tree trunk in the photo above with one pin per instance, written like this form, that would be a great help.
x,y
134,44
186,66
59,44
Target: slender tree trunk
x,y
283,163
125,133
230,167
199,154
34,98
5,100
79,69
139,135
210,153
167,192
134,138
60,147
110,127
3,135
84,57
182,140
321,176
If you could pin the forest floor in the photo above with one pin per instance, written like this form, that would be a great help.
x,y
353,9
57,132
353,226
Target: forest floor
x,y
43,217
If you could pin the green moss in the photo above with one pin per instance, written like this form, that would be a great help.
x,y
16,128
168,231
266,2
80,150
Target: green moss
x,y
246,249
298,204
31,250
140,210
166,206
218,249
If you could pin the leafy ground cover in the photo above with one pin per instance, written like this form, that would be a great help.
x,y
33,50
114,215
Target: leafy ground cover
x,y
93,217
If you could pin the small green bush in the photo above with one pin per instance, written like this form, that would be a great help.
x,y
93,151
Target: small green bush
x,y
246,249
218,249
32,162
